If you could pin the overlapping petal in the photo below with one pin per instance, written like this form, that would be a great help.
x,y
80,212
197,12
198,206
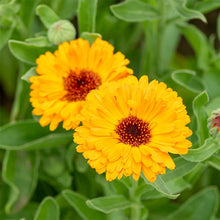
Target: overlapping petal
x,y
53,89
148,107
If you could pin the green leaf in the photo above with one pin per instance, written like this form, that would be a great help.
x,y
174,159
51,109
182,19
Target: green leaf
x,y
78,202
47,15
198,42
31,72
5,34
201,117
134,11
218,26
91,37
202,153
214,104
26,52
188,79
195,174
27,12
180,7
26,213
29,135
211,82
48,210
41,41
175,186
161,187
214,161
109,204
182,168
201,206
21,106
20,172
170,38
65,10
87,15
207,5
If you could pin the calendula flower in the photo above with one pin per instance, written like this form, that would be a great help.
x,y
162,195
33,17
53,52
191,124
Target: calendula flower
x,y
131,126
66,77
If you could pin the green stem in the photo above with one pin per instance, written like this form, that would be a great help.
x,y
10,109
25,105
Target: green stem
x,y
136,208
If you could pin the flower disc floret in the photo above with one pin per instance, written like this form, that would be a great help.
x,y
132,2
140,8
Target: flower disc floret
x,y
68,75
132,126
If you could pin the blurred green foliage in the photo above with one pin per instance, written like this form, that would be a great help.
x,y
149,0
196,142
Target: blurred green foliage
x,y
42,177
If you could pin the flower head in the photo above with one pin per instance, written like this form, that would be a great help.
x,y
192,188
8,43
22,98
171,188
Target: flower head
x,y
131,126
214,123
68,75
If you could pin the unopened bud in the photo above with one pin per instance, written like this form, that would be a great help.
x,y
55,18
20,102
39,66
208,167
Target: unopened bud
x,y
61,31
214,123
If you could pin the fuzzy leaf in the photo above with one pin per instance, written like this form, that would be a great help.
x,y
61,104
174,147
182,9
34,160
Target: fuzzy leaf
x,y
214,161
201,206
47,210
47,15
109,204
162,187
202,153
180,7
182,168
87,15
20,172
41,41
29,135
134,11
78,202
188,80
201,117
26,52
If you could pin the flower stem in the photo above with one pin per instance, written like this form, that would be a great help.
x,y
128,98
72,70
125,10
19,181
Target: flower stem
x,y
136,208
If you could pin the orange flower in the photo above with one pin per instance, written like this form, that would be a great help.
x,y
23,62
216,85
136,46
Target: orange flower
x,y
67,77
131,126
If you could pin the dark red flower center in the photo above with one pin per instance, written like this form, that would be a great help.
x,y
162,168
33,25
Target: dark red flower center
x,y
216,121
133,131
78,85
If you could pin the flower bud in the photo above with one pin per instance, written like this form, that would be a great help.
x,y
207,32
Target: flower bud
x,y
214,123
61,31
